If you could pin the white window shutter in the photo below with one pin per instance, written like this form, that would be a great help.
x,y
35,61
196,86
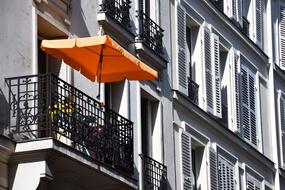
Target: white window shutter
x,y
225,174
252,183
282,37
181,50
213,170
259,22
208,69
236,92
248,101
186,161
282,120
252,108
239,11
234,9
217,101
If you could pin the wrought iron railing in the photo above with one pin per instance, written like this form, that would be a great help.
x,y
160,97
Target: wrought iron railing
x,y
150,33
119,10
245,26
193,91
44,106
154,174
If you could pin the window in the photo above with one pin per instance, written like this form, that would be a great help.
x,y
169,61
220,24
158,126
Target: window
x,y
252,183
245,98
192,162
212,81
187,38
282,36
151,127
222,171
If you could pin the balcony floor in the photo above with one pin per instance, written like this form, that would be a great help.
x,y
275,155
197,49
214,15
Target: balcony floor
x,y
68,168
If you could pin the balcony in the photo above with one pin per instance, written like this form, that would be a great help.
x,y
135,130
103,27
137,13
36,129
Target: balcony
x,y
114,17
150,33
117,10
154,174
149,42
193,90
245,26
44,106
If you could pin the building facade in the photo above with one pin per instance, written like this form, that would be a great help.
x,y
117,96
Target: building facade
x,y
213,119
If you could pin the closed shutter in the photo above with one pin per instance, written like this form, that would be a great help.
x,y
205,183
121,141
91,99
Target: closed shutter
x,y
248,101
282,120
236,80
181,50
282,37
216,76
208,71
225,174
186,161
239,11
213,170
259,22
236,6
234,9
252,183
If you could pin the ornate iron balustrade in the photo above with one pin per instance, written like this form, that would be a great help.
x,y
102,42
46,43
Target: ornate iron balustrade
x,y
150,33
45,106
118,10
193,90
154,174
245,26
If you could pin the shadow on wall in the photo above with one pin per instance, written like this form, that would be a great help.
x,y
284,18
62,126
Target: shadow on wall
x,y
4,112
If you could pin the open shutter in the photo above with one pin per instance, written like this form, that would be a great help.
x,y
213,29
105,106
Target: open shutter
x,y
248,97
181,50
236,80
216,76
259,22
282,37
208,68
213,170
186,161
252,107
234,9
282,120
245,103
239,11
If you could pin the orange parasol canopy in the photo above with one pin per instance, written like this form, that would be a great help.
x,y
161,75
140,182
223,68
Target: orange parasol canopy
x,y
99,58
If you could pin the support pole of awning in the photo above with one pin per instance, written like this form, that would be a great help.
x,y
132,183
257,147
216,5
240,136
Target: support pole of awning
x,y
99,69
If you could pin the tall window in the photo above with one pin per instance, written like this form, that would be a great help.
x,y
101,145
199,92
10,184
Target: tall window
x,y
253,183
282,124
222,171
245,100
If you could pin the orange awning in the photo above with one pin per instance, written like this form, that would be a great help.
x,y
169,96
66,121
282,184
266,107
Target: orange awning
x,y
86,54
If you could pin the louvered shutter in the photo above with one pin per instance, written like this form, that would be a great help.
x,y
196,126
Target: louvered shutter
x,y
181,50
236,80
225,174
216,75
252,108
239,11
282,120
208,68
248,100
213,170
282,37
186,161
252,183
234,9
259,22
